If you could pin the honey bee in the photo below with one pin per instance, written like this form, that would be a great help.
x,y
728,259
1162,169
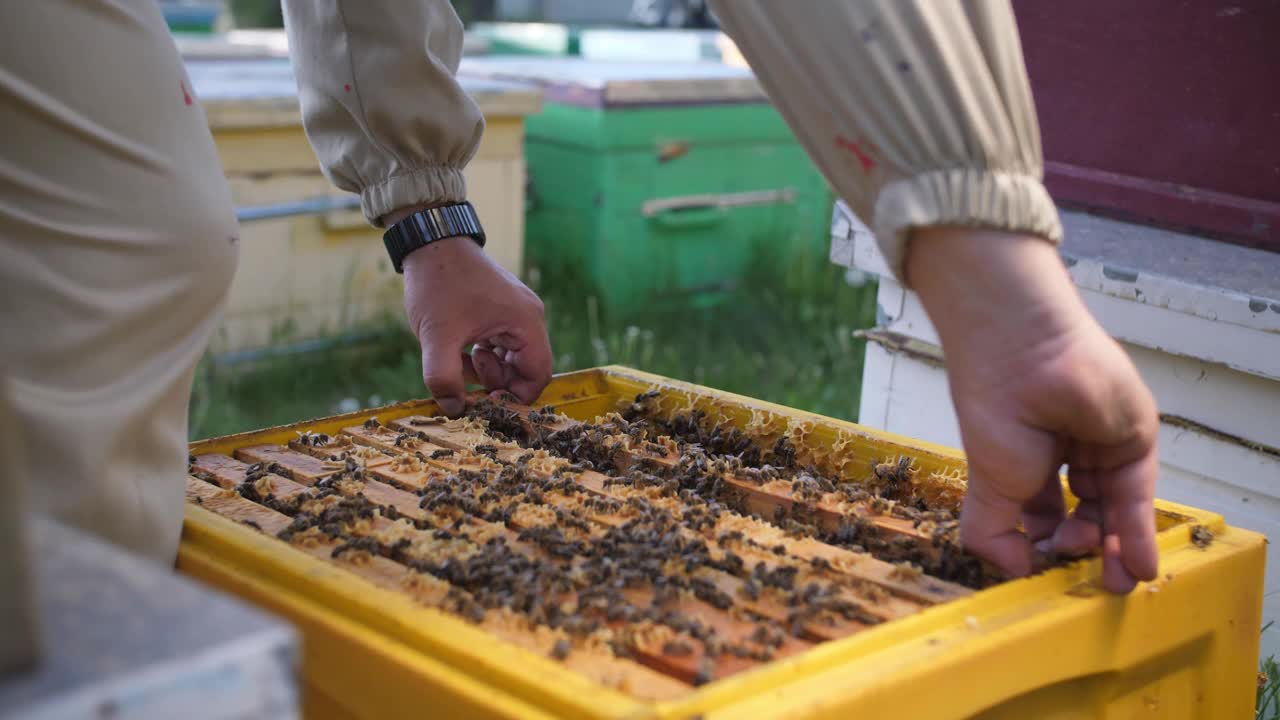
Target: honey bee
x,y
677,648
1201,536
561,649
906,571
706,671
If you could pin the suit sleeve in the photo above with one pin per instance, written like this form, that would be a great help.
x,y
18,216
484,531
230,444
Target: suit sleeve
x,y
381,105
918,112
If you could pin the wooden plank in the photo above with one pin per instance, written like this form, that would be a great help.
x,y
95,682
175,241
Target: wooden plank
x,y
923,589
336,449
229,473
860,567
230,505
405,503
598,485
432,444
401,470
387,574
305,469
732,586
761,601
687,667
768,499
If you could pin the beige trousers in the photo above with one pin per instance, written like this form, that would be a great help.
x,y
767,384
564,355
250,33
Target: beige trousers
x,y
118,241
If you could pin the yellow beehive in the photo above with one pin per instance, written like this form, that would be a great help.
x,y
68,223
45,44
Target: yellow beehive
x,y
305,276
1053,645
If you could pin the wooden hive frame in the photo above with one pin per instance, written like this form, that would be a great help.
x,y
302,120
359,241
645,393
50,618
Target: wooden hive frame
x,y
394,494
405,505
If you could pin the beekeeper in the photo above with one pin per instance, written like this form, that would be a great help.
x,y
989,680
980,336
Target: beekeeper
x,y
118,242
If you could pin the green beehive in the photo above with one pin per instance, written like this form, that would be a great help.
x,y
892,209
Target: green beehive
x,y
513,38
660,183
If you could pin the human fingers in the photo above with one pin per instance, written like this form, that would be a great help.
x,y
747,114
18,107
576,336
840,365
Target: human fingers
x,y
1114,472
1128,516
1081,532
989,527
526,355
532,369
491,371
442,373
1045,511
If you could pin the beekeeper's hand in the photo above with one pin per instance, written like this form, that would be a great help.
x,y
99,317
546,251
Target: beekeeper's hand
x,y
1037,383
456,295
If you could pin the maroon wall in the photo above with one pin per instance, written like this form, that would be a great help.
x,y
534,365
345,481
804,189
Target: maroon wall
x,y
1165,111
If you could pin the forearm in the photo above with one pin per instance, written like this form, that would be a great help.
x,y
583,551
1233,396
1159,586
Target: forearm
x,y
920,115
993,292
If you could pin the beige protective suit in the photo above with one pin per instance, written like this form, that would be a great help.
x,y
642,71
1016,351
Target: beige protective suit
x,y
918,112
117,243
118,240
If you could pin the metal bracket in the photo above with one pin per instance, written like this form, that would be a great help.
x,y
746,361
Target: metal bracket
x,y
722,201
307,206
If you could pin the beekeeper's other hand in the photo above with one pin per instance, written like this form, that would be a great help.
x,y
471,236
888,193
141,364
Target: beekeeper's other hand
x,y
1037,383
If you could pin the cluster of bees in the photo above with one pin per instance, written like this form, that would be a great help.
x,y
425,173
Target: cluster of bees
x,y
561,568
710,450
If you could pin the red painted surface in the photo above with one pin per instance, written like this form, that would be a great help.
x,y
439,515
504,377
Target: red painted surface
x,y
186,96
1165,111
864,158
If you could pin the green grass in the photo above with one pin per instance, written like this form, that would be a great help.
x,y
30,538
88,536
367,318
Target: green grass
x,y
785,337
1267,705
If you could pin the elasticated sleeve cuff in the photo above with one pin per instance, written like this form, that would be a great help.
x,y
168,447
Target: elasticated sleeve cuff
x,y
425,185
973,198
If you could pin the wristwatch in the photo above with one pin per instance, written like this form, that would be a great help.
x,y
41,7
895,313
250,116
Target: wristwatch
x,y
427,226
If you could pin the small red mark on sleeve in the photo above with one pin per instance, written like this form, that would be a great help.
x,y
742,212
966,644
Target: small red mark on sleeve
x,y
347,87
860,150
186,96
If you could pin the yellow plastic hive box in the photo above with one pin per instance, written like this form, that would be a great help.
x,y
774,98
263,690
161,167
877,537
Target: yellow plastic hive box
x,y
1050,646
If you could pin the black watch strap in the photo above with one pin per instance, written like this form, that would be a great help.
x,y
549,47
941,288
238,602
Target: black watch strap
x,y
427,226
